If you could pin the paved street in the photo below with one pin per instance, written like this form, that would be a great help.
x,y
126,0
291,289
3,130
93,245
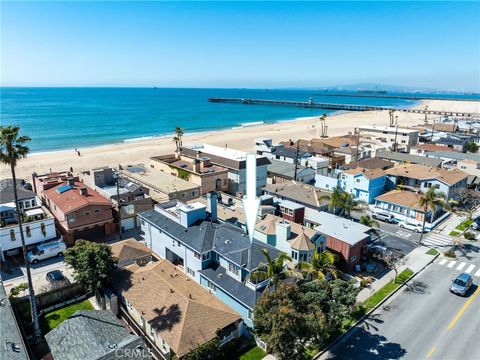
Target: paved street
x,y
424,321
18,275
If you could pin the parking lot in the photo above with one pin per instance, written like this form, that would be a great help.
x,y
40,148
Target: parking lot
x,y
13,273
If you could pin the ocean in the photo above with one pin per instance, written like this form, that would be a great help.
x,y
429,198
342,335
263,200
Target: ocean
x,y
67,118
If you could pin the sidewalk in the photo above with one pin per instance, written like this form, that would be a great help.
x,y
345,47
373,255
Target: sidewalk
x,y
450,224
415,261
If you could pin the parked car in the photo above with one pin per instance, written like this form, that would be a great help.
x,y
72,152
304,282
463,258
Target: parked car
x,y
411,226
46,251
476,223
56,277
461,284
389,218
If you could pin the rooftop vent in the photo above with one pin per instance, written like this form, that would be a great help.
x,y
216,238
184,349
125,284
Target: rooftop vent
x,y
228,241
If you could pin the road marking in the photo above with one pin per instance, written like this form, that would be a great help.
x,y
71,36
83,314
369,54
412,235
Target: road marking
x,y
451,264
437,240
431,352
462,310
477,273
443,261
470,268
461,266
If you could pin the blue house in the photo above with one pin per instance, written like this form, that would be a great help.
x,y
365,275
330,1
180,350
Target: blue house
x,y
219,256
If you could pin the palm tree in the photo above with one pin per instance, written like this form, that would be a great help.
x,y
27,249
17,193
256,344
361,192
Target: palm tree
x,y
177,138
368,221
320,267
335,199
274,270
350,204
431,200
12,149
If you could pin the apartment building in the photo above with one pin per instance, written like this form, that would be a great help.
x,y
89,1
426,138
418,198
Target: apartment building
x,y
397,138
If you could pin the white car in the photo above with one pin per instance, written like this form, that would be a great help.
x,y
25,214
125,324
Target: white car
x,y
411,226
46,251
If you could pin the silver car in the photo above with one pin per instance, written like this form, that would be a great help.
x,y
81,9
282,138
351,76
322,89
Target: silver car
x,y
461,284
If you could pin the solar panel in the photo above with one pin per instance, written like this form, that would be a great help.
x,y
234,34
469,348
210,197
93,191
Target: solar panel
x,y
63,188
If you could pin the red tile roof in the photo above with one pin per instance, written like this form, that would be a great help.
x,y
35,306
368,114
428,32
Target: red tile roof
x,y
72,200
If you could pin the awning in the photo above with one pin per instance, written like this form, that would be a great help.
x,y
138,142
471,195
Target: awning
x,y
33,212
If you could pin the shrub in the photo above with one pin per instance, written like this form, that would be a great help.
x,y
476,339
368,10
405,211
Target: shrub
x,y
469,236
450,253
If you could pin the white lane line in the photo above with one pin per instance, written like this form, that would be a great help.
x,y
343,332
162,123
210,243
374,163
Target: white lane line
x,y
470,268
451,264
443,261
477,273
461,266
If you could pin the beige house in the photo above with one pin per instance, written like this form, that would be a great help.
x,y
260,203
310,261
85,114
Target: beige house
x,y
174,313
200,171
470,166
401,138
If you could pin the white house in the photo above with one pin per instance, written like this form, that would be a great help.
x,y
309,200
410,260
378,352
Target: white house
x,y
38,224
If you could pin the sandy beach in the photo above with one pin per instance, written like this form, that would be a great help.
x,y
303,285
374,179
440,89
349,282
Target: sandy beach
x,y
241,138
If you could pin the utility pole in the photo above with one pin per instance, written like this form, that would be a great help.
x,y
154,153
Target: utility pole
x,y
433,130
357,134
390,114
426,110
395,146
296,161
119,207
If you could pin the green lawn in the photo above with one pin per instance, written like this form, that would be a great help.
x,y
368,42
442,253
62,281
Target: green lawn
x,y
464,225
54,318
454,233
381,294
254,353
432,252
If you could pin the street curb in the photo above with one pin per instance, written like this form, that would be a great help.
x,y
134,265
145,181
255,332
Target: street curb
x,y
359,321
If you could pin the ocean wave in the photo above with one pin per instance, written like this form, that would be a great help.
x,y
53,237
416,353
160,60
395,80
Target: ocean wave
x,y
253,123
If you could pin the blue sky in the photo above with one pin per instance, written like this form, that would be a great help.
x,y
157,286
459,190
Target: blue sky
x,y
244,44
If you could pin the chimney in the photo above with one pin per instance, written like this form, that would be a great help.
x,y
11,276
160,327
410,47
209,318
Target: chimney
x,y
283,231
212,205
196,165
205,162
71,181
83,191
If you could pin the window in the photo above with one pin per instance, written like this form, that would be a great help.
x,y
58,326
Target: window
x,y
87,213
197,255
12,234
142,222
190,272
303,257
206,256
294,255
97,211
71,218
176,243
250,314
34,203
183,195
28,231
235,270
211,285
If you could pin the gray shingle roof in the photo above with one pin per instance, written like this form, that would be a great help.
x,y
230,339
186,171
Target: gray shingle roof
x,y
289,152
91,334
413,159
454,155
6,194
10,335
284,169
206,236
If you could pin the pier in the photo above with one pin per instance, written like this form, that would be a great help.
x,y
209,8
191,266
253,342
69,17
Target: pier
x,y
330,106
386,96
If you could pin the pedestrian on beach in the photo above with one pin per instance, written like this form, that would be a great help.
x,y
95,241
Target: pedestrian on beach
x,y
78,152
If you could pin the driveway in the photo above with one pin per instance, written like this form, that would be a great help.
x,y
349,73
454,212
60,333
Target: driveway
x,y
424,321
16,273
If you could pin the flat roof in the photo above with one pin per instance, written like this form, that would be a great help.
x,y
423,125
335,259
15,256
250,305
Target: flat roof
x,y
225,152
389,129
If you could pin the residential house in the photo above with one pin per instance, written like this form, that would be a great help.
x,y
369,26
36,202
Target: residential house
x,y
306,195
280,172
208,176
219,256
363,184
450,158
322,156
131,251
402,158
455,142
345,238
265,147
403,205
291,211
470,166
420,178
174,313
134,198
397,138
234,160
297,241
80,211
162,186
94,335
423,149
38,223
13,346
371,163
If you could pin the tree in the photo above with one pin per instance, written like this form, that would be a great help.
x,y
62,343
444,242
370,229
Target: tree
x,y
393,260
274,270
177,138
209,350
13,149
350,204
430,200
320,267
368,221
335,199
93,264
472,147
